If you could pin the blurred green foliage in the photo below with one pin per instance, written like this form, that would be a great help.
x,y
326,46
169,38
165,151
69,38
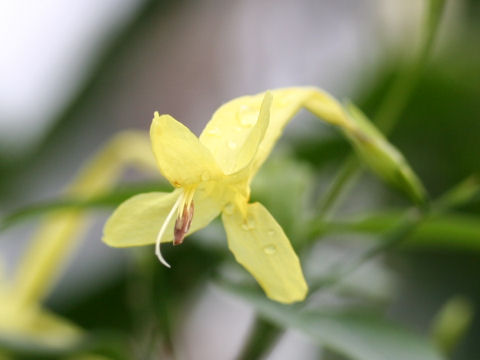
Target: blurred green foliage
x,y
438,131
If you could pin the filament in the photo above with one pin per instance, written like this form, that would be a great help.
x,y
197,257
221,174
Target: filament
x,y
164,228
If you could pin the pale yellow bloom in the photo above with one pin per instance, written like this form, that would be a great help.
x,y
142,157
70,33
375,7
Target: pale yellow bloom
x,y
212,176
22,318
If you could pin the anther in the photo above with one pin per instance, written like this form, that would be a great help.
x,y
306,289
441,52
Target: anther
x,y
182,225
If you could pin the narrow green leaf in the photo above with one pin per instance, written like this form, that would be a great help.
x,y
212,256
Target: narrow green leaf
x,y
107,200
452,230
464,193
357,334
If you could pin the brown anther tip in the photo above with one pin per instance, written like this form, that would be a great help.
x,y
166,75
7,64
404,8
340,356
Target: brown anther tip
x,y
182,225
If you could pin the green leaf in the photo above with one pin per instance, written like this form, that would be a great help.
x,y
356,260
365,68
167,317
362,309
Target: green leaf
x,y
110,199
452,230
357,334
462,194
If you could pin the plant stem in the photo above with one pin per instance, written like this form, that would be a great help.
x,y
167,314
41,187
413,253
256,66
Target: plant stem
x,y
391,107
406,225
344,177
261,338
264,333
408,222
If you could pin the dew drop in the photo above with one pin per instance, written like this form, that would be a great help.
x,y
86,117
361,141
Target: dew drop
x,y
232,145
206,176
228,209
248,115
248,120
271,232
249,224
270,249
281,102
214,131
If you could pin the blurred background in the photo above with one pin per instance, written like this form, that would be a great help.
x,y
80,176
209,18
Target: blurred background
x,y
74,73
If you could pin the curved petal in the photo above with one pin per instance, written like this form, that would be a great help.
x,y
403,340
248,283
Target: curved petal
x,y
234,143
50,329
138,220
232,122
379,154
39,266
126,148
261,246
58,233
30,324
40,327
182,159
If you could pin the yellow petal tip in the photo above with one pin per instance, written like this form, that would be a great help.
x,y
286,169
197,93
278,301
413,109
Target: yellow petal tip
x,y
293,296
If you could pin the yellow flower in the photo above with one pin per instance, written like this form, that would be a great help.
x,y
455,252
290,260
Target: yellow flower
x,y
23,319
212,175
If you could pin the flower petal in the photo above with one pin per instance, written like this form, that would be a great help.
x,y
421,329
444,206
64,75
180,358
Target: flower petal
x,y
126,148
182,159
39,327
138,220
52,330
233,143
58,233
234,118
286,103
260,245
233,122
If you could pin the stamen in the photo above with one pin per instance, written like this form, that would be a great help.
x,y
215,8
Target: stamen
x,y
162,231
182,225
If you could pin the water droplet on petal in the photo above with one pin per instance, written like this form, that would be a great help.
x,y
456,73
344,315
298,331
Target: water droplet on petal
x,y
214,131
271,232
270,249
248,120
249,224
232,145
281,102
228,209
206,176
248,115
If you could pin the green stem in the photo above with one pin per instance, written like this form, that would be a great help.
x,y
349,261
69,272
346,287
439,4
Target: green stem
x,y
408,222
347,173
406,225
399,94
261,338
265,334
391,107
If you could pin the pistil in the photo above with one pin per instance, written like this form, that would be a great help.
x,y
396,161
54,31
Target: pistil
x,y
184,208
